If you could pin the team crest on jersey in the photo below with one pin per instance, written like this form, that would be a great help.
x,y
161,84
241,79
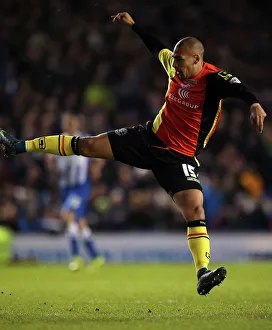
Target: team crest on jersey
x,y
183,93
121,131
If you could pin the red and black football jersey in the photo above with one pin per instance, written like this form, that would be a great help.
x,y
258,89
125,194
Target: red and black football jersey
x,y
192,107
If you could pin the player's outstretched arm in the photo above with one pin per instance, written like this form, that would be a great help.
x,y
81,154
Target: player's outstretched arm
x,y
229,86
151,42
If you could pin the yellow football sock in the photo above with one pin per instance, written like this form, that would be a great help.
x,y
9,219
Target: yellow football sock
x,y
54,144
199,243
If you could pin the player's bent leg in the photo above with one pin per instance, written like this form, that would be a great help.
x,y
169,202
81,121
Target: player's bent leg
x,y
72,230
190,203
91,146
97,259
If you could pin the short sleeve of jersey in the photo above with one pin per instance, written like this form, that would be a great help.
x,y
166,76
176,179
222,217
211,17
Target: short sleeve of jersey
x,y
166,59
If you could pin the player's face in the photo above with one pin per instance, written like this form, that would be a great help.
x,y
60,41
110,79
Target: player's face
x,y
184,62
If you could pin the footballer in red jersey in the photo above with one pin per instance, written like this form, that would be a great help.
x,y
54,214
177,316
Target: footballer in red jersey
x,y
169,144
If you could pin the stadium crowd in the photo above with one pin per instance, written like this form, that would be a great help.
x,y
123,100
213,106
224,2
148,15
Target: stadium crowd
x,y
58,56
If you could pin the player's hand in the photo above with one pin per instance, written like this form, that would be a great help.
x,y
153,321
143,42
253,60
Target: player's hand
x,y
123,18
257,116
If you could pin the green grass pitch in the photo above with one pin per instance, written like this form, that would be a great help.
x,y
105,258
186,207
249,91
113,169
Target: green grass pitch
x,y
118,297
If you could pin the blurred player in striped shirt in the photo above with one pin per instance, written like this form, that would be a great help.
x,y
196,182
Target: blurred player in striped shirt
x,y
75,188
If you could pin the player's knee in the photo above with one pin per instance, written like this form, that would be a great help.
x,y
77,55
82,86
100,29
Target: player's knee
x,y
190,203
67,216
193,212
96,146
87,146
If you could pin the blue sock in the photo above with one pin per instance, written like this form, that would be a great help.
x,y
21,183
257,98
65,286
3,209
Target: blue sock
x,y
74,246
91,248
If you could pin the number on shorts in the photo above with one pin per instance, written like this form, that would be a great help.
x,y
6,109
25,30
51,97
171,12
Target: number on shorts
x,y
189,170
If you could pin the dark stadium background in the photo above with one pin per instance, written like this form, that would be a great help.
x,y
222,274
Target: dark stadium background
x,y
58,56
